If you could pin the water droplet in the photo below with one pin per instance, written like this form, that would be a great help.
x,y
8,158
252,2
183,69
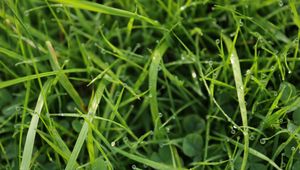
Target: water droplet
x,y
182,57
182,8
210,63
157,41
173,117
57,10
217,41
160,114
241,88
125,85
168,129
61,114
293,148
273,68
194,75
133,166
283,164
234,127
232,131
232,34
248,72
280,3
125,139
252,137
215,75
275,93
262,141
103,51
290,72
113,143
241,23
296,40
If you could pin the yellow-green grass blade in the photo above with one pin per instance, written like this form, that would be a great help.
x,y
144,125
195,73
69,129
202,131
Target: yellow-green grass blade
x,y
84,130
28,147
12,82
92,6
240,92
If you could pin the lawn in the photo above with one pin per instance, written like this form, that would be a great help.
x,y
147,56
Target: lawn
x,y
150,84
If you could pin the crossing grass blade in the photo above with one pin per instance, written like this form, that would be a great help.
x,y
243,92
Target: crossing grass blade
x,y
63,79
4,84
85,128
28,147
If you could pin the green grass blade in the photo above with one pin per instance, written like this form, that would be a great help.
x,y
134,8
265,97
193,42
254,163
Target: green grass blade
x,y
63,79
240,92
145,161
84,130
153,73
28,147
12,82
91,6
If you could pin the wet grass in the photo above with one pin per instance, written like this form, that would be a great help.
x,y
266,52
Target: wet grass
x,y
149,84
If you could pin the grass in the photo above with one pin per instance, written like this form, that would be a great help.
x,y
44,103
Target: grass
x,y
159,84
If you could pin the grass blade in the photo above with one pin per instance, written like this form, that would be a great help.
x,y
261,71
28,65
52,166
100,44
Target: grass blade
x,y
240,92
91,6
84,130
28,147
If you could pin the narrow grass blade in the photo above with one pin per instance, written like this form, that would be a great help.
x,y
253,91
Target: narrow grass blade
x,y
145,161
91,6
153,73
8,83
63,79
240,92
84,130
28,147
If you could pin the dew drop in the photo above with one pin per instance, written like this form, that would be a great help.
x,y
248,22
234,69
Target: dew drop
x,y
296,40
103,51
210,63
275,93
248,72
160,114
215,75
234,127
182,8
125,139
194,75
293,148
150,96
157,41
262,141
280,3
133,167
241,23
217,41
252,137
232,131
232,34
290,72
113,143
